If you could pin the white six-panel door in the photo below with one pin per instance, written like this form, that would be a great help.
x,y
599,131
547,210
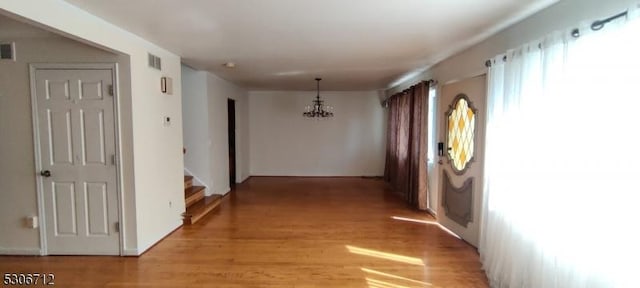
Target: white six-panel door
x,y
76,131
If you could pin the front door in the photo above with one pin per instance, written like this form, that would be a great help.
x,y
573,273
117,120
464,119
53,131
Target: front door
x,y
461,134
76,139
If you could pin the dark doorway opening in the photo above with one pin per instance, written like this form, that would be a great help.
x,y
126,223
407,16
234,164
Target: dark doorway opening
x,y
231,114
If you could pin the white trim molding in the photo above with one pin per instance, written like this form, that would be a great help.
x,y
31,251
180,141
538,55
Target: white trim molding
x,y
20,251
36,144
130,252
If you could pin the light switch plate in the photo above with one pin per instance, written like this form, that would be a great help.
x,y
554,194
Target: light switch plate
x,y
166,85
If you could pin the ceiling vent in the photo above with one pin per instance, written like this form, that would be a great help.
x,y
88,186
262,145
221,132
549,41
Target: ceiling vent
x,y
7,51
155,62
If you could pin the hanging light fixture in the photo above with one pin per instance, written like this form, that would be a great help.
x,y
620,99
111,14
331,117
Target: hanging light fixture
x,y
318,109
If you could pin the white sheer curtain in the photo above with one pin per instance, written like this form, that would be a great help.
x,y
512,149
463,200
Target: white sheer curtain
x,y
561,201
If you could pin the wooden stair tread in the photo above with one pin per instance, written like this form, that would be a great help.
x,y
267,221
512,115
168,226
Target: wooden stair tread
x,y
207,201
192,190
188,181
200,208
193,194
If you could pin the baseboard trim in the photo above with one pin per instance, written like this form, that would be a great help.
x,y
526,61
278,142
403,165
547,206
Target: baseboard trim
x,y
36,252
243,180
157,242
130,252
316,176
20,251
220,192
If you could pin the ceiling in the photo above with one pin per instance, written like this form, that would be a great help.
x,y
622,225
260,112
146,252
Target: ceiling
x,y
285,44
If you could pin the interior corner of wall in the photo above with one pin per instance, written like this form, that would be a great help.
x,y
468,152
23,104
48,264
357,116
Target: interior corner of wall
x,y
244,177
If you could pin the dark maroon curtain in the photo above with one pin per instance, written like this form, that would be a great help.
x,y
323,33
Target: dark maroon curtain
x,y
406,166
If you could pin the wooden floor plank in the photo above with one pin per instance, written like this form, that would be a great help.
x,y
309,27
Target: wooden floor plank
x,y
286,232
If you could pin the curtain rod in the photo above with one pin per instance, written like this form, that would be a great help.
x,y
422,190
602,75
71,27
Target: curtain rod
x,y
430,83
595,26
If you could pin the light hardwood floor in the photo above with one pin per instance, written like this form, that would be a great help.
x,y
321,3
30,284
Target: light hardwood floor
x,y
287,232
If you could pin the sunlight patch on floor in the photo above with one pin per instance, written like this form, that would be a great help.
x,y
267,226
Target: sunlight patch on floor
x,y
428,222
396,277
383,255
374,283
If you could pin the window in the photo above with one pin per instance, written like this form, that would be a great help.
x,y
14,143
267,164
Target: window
x,y
461,123
432,139
431,126
571,105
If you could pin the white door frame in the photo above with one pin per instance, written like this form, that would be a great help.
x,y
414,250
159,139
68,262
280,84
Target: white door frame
x,y
444,162
36,142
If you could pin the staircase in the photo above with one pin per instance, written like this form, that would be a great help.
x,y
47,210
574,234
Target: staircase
x,y
197,204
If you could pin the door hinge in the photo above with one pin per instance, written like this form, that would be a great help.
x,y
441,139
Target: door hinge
x,y
114,159
110,90
117,227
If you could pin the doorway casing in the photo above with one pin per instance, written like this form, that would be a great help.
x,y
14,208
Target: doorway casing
x,y
231,122
113,67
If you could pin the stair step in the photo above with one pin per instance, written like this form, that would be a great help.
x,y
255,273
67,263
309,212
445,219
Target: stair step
x,y
193,194
188,181
199,209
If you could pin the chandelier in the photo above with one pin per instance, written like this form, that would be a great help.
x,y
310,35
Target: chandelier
x,y
318,109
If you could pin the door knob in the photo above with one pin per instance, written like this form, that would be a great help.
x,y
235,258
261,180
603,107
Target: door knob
x,y
45,173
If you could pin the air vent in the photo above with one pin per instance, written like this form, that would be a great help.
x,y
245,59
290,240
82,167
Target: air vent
x,y
7,51
155,62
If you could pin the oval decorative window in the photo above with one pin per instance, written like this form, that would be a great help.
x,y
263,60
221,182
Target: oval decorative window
x,y
461,128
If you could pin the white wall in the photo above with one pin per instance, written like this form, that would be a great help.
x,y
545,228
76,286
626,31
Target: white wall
x,y
18,191
206,131
219,91
157,150
284,143
243,138
195,125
